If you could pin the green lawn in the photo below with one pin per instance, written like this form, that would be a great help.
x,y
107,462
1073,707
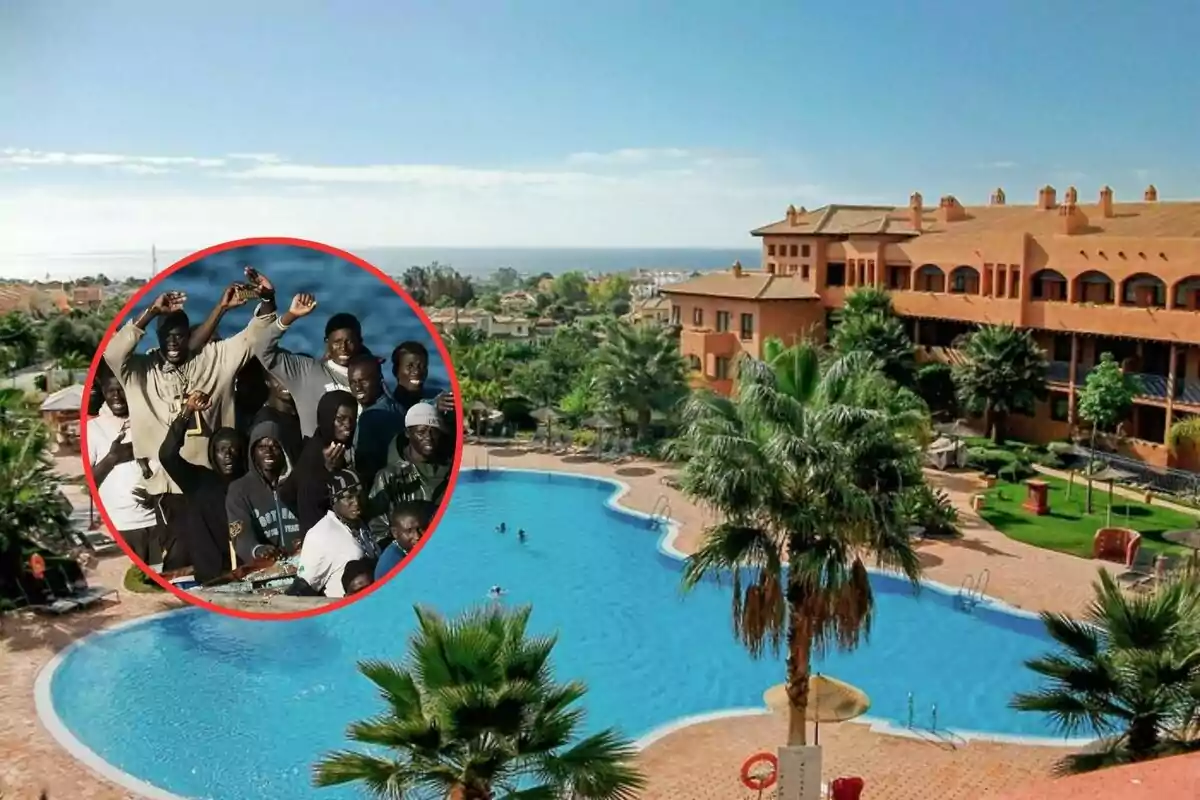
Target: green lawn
x,y
1067,529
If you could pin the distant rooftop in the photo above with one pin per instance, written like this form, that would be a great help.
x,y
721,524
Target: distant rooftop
x,y
740,284
1104,217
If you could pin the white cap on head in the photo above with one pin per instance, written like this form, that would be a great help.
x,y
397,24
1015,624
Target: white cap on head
x,y
423,415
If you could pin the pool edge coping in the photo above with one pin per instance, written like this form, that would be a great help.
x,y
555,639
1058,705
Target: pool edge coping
x,y
665,545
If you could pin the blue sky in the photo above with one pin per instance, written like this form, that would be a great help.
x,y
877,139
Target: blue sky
x,y
568,124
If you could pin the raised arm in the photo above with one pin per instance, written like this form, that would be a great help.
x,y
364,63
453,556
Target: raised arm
x,y
120,351
188,475
233,296
119,452
288,367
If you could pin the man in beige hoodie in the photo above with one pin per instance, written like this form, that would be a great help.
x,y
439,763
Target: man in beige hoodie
x,y
157,383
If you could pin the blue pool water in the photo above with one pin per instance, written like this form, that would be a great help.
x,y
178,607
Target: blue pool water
x,y
338,285
206,706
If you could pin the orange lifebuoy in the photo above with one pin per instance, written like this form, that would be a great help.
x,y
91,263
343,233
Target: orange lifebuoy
x,y
758,783
37,565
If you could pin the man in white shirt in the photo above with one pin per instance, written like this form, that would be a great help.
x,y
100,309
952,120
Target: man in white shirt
x,y
117,474
338,538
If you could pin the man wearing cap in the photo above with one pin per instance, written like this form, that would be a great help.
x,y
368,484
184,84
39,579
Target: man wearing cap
x,y
339,538
417,468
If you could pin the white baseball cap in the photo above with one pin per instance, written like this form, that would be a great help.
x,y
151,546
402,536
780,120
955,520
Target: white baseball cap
x,y
423,415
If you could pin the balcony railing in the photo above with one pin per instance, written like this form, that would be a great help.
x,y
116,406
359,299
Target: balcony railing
x,y
1153,386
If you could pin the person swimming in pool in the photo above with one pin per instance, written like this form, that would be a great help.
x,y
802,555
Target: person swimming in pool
x,y
495,593
502,528
521,535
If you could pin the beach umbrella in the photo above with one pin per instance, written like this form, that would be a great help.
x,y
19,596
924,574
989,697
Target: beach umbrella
x,y
599,423
545,415
829,700
1112,475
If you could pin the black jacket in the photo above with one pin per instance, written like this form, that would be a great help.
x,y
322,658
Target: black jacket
x,y
258,513
310,479
200,519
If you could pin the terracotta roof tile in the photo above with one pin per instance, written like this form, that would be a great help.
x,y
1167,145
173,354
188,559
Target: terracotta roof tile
x,y
1179,219
747,286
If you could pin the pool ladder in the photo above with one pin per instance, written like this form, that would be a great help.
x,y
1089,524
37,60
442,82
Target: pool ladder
x,y
661,512
487,461
912,714
970,592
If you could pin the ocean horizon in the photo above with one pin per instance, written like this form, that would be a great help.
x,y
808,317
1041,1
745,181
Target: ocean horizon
x,y
477,262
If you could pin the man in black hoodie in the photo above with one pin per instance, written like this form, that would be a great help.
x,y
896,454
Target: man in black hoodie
x,y
262,522
201,526
329,449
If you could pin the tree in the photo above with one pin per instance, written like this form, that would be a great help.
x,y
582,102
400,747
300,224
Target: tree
x,y
506,279
475,714
1105,400
807,462
868,300
864,328
538,381
639,369
71,363
65,336
30,503
19,336
1128,672
1003,371
570,288
935,385
609,290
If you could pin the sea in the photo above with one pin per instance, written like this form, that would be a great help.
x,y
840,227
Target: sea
x,y
477,262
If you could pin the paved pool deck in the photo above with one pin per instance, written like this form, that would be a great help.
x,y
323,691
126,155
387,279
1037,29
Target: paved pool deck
x,y
698,762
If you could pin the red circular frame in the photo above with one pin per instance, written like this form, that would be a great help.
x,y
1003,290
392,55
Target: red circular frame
x,y
328,250
755,783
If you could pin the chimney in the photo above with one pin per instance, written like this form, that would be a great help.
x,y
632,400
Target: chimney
x,y
1072,220
1047,198
997,197
791,215
915,211
1071,197
950,210
1151,195
737,269
1106,198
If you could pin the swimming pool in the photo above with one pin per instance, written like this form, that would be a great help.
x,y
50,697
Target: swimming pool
x,y
211,706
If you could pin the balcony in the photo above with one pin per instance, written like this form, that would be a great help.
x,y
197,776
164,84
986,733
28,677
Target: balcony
x,y
1154,387
704,342
1161,324
960,307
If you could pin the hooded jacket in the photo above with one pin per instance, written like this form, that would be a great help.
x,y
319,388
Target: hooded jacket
x,y
259,514
201,524
310,478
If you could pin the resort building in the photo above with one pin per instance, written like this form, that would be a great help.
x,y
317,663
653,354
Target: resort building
x,y
1087,278
500,326
656,309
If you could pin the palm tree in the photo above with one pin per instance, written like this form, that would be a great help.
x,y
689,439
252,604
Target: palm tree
x,y
808,462
639,369
1128,672
1003,371
475,714
30,502
868,300
72,363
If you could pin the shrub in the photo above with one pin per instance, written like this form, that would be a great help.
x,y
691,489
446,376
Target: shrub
x,y
932,510
584,438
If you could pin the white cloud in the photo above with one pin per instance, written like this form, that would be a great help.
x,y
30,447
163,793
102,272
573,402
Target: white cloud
x,y
999,165
144,169
646,197
25,156
629,155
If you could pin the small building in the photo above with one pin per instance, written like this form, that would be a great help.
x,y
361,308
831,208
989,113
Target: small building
x,y
60,411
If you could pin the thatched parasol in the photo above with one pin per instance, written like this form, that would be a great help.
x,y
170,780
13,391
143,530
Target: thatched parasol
x,y
599,423
1112,475
829,700
545,415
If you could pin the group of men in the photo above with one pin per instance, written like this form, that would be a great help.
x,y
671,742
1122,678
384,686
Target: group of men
x,y
333,466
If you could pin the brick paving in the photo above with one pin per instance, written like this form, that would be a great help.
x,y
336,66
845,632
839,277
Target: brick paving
x,y
696,763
